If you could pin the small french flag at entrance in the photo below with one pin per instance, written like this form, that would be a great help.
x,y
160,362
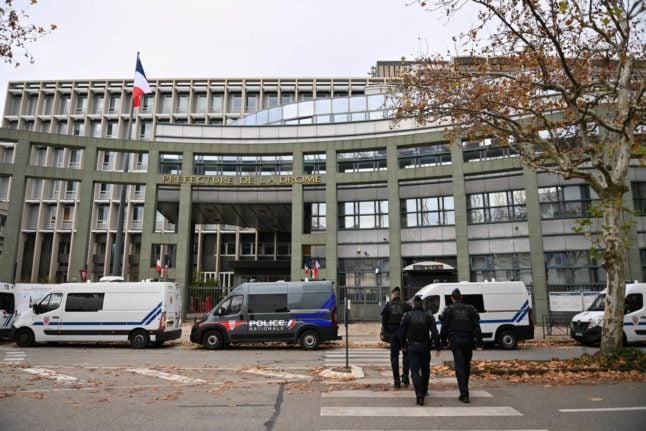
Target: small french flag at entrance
x,y
158,265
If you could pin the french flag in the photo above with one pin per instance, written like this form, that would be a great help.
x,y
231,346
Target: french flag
x,y
140,86
158,266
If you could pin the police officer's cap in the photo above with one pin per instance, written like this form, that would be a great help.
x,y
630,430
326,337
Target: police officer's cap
x,y
395,289
417,299
456,293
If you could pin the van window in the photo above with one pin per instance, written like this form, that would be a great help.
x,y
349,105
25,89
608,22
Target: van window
x,y
232,305
432,304
84,302
50,302
308,301
269,303
634,302
599,304
476,300
7,302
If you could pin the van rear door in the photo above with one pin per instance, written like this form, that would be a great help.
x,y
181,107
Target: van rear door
x,y
635,317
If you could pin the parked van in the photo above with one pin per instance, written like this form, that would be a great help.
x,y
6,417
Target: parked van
x,y
282,311
504,308
139,313
7,309
586,326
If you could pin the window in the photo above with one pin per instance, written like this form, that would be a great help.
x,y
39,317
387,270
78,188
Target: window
x,y
251,104
181,104
79,128
501,267
314,163
496,207
146,131
634,302
428,155
81,104
432,211
115,103
147,103
364,161
84,302
231,305
96,129
111,130
573,269
48,104
7,302
363,215
432,304
166,100
97,104
485,149
268,303
235,103
271,100
170,164
31,104
200,103
315,217
64,104
50,303
639,198
216,104
565,201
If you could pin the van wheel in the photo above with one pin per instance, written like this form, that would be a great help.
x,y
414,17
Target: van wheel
x,y
309,340
24,338
507,339
139,339
213,340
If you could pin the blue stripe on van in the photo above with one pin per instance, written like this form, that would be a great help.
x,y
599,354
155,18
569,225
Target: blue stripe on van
x,y
519,316
145,321
6,322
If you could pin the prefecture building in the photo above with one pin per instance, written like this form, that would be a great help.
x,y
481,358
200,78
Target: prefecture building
x,y
266,178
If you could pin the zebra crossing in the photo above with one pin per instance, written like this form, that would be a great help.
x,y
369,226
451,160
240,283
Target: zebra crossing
x,y
379,409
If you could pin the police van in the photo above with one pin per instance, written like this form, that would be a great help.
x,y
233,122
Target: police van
x,y
304,312
586,326
7,309
504,306
141,313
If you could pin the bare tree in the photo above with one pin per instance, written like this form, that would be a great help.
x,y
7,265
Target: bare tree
x,y
15,33
562,83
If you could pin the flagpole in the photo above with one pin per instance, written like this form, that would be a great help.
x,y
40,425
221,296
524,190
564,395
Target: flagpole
x,y
118,244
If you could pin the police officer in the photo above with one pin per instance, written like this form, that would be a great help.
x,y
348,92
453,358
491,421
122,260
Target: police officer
x,y
391,317
461,326
415,328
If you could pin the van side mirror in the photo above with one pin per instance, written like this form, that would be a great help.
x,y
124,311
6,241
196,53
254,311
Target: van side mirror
x,y
219,311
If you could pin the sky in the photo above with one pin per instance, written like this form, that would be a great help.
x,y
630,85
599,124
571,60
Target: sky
x,y
99,39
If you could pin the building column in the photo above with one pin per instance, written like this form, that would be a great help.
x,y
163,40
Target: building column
x,y
461,219
296,266
11,232
331,220
185,232
394,218
540,295
81,240
146,270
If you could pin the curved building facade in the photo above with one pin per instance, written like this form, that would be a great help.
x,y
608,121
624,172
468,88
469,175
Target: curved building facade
x,y
361,203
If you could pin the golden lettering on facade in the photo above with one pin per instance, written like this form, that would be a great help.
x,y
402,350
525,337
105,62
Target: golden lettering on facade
x,y
241,181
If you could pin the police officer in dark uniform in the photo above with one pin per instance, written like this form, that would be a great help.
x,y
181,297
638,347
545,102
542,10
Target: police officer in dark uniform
x,y
461,327
416,326
391,317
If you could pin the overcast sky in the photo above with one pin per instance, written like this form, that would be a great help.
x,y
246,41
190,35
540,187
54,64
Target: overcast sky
x,y
99,39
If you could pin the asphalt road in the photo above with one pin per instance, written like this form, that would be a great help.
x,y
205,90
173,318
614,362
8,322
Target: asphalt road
x,y
81,387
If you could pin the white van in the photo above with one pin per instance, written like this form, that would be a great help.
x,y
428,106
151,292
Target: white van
x,y
139,313
505,308
586,326
7,309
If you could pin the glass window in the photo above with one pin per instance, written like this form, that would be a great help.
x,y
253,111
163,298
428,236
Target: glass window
x,y
200,103
115,103
216,104
181,104
268,303
84,302
235,103
50,303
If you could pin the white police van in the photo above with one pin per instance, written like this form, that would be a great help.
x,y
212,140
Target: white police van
x,y
140,313
505,308
281,311
586,326
7,309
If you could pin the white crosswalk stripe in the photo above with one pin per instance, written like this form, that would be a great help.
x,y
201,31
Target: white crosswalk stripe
x,y
49,374
14,356
166,376
362,357
344,407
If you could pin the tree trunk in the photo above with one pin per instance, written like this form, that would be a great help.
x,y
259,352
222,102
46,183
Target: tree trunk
x,y
615,266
